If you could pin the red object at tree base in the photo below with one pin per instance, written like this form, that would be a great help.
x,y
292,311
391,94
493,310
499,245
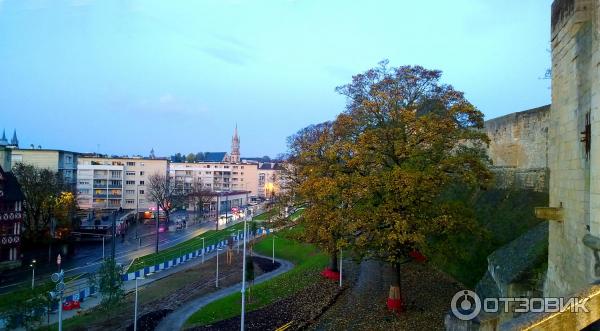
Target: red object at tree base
x,y
395,305
417,256
330,274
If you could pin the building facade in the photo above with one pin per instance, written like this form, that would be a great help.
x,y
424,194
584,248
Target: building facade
x,y
64,162
215,176
269,179
112,183
11,217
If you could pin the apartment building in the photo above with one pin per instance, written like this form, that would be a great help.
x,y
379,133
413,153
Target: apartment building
x,y
64,162
269,179
215,176
112,183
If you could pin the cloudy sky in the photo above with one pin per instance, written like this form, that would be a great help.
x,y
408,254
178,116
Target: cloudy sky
x,y
125,76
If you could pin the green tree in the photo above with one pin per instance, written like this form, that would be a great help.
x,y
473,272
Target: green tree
x,y
412,137
110,283
190,158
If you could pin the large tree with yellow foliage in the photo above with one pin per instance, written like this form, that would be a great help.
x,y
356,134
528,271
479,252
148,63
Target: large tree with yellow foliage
x,y
412,138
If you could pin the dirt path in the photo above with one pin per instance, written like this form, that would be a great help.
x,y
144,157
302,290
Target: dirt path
x,y
427,293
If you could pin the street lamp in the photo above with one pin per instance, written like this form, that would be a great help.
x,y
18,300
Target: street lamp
x,y
217,277
32,265
243,314
135,309
341,264
58,292
202,249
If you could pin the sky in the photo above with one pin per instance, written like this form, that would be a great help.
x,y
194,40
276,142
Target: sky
x,y
127,76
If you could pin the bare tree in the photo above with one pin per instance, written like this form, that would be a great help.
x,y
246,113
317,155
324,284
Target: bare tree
x,y
200,197
163,192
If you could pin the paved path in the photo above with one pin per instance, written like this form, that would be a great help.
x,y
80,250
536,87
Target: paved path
x,y
176,319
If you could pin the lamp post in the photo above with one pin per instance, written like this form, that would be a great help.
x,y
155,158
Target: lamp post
x,y
341,264
273,249
137,209
157,225
58,292
135,309
202,249
243,314
103,247
217,277
32,265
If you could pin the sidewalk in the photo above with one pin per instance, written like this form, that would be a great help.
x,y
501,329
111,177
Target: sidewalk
x,y
176,319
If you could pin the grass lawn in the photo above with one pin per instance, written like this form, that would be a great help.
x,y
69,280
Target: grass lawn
x,y
266,215
308,263
211,237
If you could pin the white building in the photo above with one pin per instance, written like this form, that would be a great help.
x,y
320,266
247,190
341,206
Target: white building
x,y
112,183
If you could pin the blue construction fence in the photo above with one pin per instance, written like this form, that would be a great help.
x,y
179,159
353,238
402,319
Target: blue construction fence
x,y
88,291
186,257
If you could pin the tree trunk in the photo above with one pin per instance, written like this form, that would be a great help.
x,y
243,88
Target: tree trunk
x,y
394,301
333,261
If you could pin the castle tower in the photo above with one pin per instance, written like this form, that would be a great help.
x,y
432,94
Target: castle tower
x,y
574,148
235,147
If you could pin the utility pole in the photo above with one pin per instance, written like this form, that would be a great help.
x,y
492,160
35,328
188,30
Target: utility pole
x,y
114,233
58,292
202,249
243,315
218,209
137,210
157,225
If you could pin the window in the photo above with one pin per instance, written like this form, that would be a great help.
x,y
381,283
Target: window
x,y
208,172
130,182
130,173
226,167
141,192
131,164
142,182
141,173
129,192
129,201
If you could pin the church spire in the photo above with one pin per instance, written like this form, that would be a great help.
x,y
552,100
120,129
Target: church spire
x,y
235,146
3,141
14,141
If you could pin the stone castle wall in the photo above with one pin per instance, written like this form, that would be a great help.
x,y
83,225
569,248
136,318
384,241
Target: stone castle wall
x,y
575,174
518,149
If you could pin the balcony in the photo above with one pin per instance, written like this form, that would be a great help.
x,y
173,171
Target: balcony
x,y
10,239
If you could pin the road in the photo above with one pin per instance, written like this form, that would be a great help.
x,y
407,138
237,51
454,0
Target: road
x,y
88,256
